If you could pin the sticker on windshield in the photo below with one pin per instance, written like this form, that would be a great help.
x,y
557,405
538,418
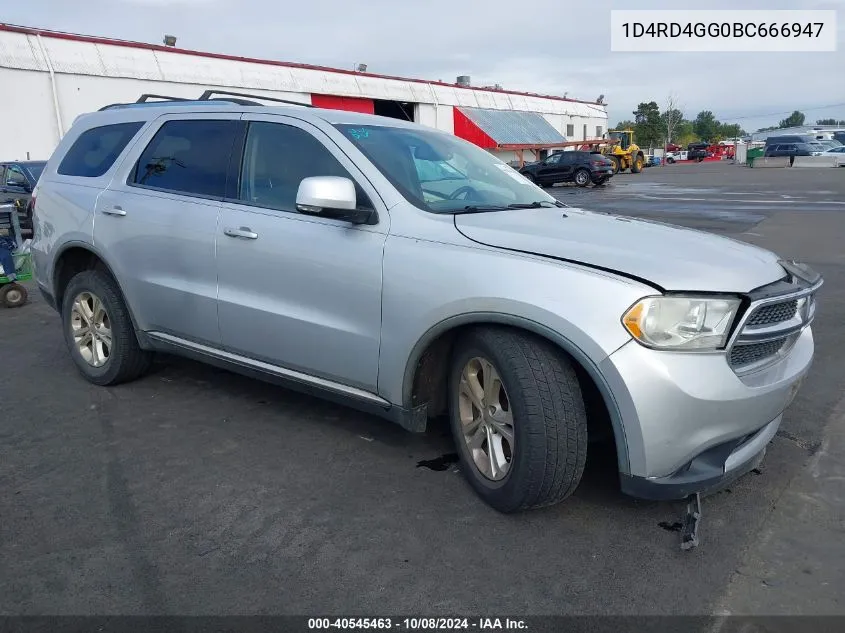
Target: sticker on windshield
x,y
510,171
359,133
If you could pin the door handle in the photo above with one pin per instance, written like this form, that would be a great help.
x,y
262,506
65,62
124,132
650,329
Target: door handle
x,y
244,232
115,210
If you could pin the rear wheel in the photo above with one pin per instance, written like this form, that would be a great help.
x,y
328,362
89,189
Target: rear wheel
x,y
13,295
518,419
99,332
582,178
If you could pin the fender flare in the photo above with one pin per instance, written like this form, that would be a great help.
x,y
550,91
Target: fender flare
x,y
94,251
561,341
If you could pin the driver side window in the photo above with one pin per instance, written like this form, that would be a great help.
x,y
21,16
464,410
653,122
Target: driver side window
x,y
554,159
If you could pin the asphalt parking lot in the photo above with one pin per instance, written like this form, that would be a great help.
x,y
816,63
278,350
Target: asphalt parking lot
x,y
197,491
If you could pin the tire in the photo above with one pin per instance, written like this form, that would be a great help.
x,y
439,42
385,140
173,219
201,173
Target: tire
x,y
530,178
121,360
670,160
616,165
13,295
637,164
548,425
582,178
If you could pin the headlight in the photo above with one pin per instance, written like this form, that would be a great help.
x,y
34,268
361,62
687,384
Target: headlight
x,y
681,323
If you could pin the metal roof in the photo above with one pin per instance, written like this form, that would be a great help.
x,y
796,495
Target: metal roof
x,y
154,67
510,127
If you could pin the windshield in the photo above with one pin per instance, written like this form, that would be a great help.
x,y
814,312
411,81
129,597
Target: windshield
x,y
442,173
35,170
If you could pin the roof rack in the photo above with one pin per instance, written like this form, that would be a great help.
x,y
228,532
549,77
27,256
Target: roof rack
x,y
231,98
247,100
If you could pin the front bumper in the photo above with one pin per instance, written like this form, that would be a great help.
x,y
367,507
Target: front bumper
x,y
712,470
690,423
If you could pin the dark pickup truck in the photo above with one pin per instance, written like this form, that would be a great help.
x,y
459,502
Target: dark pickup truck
x,y
697,151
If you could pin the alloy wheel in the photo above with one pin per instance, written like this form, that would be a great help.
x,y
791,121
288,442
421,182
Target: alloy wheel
x,y
486,419
91,329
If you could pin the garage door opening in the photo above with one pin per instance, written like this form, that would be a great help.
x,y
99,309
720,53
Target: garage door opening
x,y
394,109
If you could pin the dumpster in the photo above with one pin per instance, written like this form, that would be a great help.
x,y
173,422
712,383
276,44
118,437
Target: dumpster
x,y
754,152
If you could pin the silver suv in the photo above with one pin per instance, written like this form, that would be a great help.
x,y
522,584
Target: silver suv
x,y
406,272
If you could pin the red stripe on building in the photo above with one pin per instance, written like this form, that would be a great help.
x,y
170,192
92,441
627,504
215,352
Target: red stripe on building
x,y
469,131
350,104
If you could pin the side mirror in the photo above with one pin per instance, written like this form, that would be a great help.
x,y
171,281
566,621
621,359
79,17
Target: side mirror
x,y
332,197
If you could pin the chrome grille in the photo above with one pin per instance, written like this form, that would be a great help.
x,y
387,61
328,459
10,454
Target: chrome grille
x,y
770,329
754,352
773,313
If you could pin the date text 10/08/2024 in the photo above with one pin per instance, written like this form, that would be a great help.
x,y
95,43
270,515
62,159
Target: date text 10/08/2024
x,y
418,624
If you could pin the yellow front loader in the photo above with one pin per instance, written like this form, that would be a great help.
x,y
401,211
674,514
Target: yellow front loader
x,y
623,151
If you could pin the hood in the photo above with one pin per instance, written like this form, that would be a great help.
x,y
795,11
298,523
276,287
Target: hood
x,y
669,257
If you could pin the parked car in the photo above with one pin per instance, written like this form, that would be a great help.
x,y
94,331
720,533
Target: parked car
x,y
17,180
409,273
789,139
838,154
579,167
792,150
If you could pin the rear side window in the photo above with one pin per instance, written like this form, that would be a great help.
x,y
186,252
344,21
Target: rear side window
x,y
95,151
188,157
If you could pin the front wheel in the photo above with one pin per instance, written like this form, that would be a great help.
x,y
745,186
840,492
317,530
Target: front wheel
x,y
616,165
517,418
582,178
637,165
99,332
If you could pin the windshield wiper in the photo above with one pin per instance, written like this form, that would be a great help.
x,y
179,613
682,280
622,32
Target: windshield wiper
x,y
479,209
539,204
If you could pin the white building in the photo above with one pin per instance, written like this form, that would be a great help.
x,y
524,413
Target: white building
x,y
50,78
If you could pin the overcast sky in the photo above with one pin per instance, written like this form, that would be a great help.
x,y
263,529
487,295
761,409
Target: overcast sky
x,y
549,47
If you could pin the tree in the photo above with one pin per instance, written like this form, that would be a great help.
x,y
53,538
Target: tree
x,y
648,125
830,122
730,130
706,126
625,125
684,133
793,120
671,116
